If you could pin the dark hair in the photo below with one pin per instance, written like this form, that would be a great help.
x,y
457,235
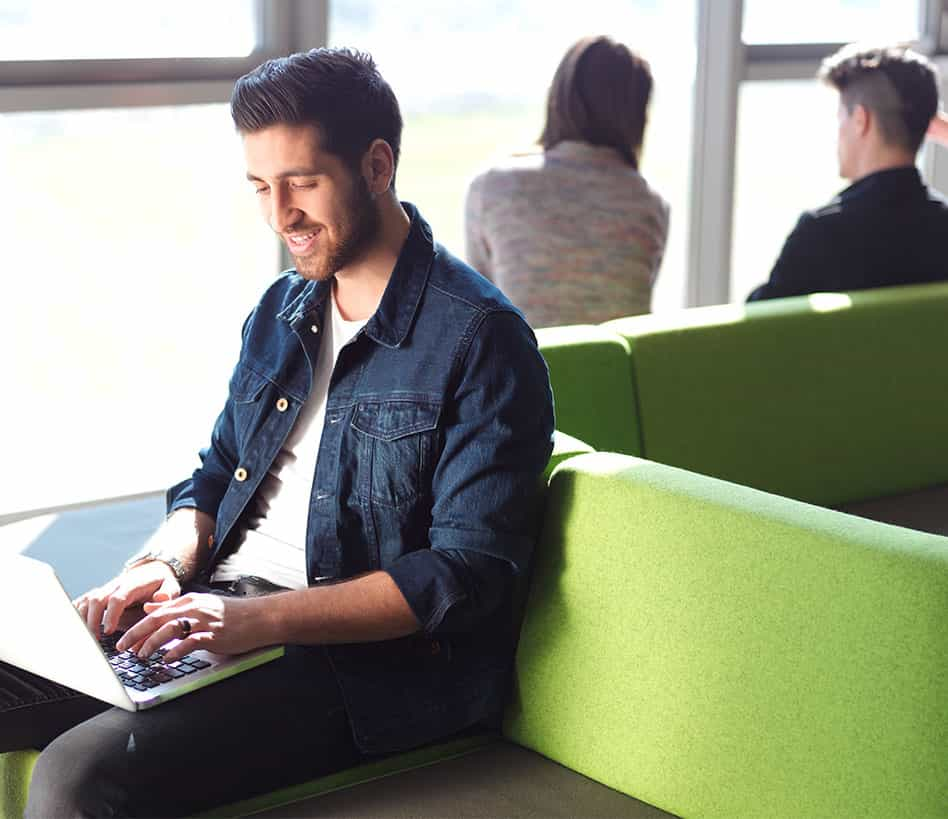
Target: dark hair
x,y
599,95
899,86
339,90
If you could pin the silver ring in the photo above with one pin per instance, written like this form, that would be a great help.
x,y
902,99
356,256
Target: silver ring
x,y
185,625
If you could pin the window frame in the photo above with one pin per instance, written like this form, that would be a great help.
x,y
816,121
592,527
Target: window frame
x,y
283,26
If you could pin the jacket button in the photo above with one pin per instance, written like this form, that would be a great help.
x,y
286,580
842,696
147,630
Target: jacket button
x,y
210,540
240,474
314,328
282,404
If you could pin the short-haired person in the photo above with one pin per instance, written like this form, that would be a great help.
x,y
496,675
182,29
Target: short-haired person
x,y
887,228
370,486
575,234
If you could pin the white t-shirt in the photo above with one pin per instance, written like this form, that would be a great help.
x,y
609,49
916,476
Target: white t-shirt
x,y
274,546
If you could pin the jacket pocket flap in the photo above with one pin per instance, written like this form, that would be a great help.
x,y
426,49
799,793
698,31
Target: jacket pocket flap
x,y
246,385
390,420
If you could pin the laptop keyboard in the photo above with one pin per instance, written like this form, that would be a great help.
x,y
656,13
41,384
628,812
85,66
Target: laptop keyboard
x,y
143,674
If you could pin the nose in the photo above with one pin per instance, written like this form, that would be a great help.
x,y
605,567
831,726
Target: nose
x,y
283,213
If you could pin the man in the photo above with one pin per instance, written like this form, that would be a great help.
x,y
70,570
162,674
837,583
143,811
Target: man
x,y
367,498
887,228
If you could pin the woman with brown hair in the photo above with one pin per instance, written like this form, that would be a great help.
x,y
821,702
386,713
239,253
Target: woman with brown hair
x,y
575,234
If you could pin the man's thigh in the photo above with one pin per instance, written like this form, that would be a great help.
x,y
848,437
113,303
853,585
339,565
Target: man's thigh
x,y
266,728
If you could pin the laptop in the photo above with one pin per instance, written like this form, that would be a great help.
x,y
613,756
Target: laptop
x,y
58,645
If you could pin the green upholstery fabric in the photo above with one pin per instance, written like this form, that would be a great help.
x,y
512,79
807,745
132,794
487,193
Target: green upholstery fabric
x,y
592,386
564,447
15,771
828,398
720,652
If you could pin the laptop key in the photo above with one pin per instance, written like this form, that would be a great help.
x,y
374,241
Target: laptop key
x,y
200,663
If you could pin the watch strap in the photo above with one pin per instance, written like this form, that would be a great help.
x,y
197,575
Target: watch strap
x,y
176,566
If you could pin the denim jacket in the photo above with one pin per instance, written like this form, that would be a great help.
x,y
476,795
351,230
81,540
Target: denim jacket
x,y
438,424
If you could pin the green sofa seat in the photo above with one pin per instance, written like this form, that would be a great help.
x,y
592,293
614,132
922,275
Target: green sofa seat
x,y
592,386
827,398
718,651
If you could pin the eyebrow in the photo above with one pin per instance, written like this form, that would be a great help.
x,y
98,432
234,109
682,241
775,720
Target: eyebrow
x,y
287,174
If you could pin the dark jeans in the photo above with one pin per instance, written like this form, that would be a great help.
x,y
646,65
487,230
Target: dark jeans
x,y
276,725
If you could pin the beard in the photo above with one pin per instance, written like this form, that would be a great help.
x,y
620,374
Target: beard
x,y
357,229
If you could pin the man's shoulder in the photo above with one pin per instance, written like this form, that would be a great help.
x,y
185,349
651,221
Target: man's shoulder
x,y
458,281
828,213
936,201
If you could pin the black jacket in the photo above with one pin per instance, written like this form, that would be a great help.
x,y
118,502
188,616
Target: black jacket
x,y
886,229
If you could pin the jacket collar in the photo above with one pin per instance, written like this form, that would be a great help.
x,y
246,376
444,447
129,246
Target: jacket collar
x,y
892,180
392,320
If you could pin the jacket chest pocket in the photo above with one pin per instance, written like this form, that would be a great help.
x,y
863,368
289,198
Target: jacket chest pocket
x,y
397,444
246,390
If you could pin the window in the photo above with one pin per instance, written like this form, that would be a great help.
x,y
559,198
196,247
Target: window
x,y
113,29
829,21
473,86
132,253
786,163
132,248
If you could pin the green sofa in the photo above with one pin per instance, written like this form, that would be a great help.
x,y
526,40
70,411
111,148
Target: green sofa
x,y
830,398
694,646
594,396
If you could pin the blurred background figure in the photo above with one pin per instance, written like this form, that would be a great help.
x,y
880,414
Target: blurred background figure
x,y
938,129
575,234
887,228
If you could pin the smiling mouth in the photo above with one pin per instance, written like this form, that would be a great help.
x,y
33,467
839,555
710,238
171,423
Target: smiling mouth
x,y
301,240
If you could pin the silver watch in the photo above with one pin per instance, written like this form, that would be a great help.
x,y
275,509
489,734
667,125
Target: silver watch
x,y
176,566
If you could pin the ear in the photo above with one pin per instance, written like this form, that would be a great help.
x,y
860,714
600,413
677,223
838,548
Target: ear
x,y
378,166
862,119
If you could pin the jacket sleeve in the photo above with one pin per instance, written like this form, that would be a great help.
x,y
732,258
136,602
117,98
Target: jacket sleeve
x,y
801,267
207,485
486,486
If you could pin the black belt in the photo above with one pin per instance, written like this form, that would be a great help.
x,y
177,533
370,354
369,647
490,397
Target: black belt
x,y
247,586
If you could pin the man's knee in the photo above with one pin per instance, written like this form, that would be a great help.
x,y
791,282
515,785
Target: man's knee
x,y
74,778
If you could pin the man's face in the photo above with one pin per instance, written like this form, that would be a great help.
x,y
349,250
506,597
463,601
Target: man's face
x,y
319,207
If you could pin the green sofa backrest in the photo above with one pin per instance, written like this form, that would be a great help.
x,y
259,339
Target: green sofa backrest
x,y
717,651
592,386
827,398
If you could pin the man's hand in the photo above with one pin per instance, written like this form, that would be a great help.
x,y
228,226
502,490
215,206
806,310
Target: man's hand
x,y
152,581
227,625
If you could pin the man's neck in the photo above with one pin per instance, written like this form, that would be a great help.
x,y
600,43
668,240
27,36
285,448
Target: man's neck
x,y
359,287
882,161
